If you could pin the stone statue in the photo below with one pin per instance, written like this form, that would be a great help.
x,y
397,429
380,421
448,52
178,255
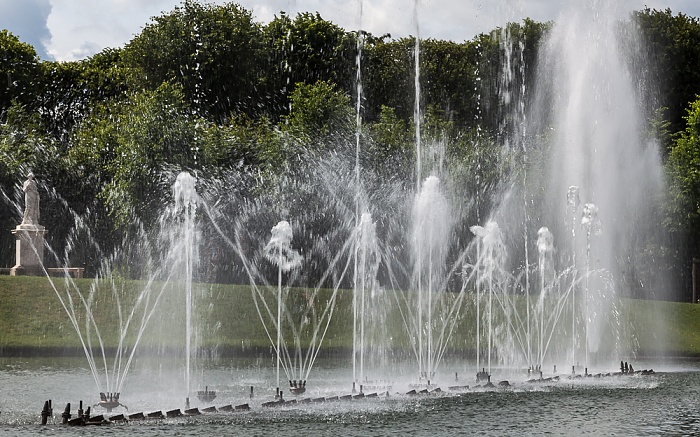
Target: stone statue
x,y
29,236
31,201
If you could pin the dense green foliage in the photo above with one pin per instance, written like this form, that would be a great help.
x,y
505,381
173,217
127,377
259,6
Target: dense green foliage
x,y
670,61
212,52
683,203
204,88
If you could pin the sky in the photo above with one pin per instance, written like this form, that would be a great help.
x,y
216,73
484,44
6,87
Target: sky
x,y
66,30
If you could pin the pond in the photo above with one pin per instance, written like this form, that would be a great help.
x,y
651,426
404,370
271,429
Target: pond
x,y
667,402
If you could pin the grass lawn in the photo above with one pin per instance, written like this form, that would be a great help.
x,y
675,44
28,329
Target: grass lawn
x,y
32,318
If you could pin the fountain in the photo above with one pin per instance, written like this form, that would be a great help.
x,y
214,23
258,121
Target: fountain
x,y
183,236
278,251
132,305
430,233
598,152
587,143
368,299
423,286
298,317
490,274
421,280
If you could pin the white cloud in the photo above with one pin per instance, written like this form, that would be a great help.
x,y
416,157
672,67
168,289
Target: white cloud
x,y
78,25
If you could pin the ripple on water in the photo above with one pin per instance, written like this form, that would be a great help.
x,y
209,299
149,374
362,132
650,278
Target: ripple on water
x,y
663,404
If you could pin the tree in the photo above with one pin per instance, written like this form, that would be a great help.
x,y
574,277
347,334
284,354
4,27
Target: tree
x,y
391,149
124,147
506,63
684,171
683,201
307,49
448,79
388,74
70,90
319,112
243,143
212,52
671,61
19,72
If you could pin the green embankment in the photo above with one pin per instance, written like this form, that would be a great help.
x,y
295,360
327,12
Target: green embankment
x,y
32,319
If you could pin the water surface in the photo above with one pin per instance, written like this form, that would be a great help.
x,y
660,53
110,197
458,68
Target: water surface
x,y
665,403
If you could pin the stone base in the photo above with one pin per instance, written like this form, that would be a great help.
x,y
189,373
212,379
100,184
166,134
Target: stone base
x,y
29,244
26,271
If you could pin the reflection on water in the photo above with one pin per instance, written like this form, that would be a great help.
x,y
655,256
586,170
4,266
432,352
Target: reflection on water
x,y
665,403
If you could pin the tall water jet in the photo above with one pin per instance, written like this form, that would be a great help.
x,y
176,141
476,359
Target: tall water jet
x,y
545,250
295,311
591,223
358,316
596,143
583,122
431,229
184,246
367,291
279,252
490,274
572,208
416,103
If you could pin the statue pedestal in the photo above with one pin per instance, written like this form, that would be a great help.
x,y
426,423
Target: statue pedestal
x,y
29,249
